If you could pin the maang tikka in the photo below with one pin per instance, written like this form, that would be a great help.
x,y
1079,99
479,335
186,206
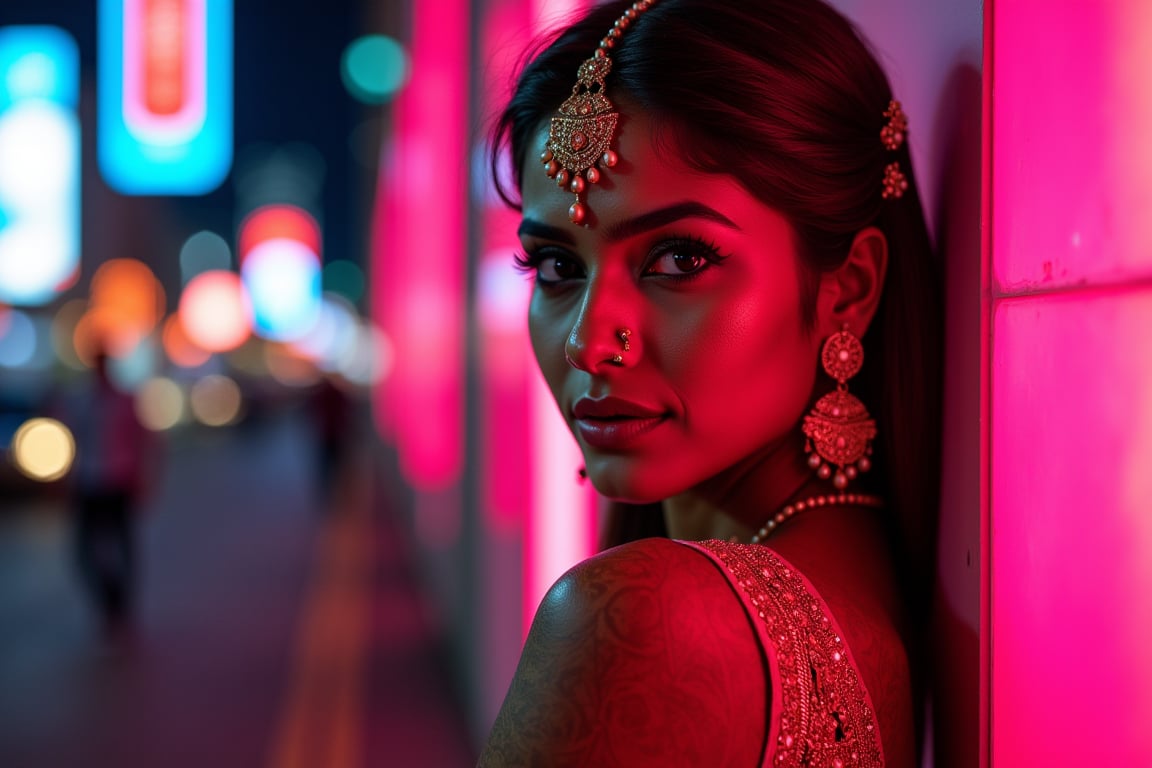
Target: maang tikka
x,y
839,428
580,136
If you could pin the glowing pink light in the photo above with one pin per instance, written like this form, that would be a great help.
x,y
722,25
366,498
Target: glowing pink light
x,y
215,312
418,269
1071,539
561,527
165,69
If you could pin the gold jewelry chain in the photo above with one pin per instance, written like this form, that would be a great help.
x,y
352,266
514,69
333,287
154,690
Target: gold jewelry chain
x,y
823,500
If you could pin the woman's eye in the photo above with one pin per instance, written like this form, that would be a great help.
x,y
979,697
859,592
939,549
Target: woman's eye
x,y
678,261
557,269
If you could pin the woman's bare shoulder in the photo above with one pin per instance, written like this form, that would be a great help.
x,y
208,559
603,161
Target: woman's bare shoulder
x,y
641,654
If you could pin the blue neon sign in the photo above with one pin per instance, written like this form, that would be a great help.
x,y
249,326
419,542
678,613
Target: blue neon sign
x,y
164,110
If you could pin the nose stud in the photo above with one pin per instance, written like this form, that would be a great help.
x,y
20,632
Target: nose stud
x,y
623,334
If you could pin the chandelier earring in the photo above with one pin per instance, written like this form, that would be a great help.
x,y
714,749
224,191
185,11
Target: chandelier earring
x,y
839,429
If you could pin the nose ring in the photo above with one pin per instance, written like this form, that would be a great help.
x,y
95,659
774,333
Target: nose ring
x,y
623,334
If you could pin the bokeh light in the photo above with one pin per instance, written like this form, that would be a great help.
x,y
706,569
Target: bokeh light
x,y
374,359
214,311
160,404
215,400
39,164
283,281
179,348
126,305
129,371
278,222
374,68
43,449
203,252
18,343
332,341
279,249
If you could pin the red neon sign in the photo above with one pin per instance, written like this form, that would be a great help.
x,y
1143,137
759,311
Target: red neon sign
x,y
164,43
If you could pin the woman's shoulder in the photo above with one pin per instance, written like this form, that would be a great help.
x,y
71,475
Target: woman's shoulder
x,y
639,655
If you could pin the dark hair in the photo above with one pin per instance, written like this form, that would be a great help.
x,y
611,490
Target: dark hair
x,y
786,97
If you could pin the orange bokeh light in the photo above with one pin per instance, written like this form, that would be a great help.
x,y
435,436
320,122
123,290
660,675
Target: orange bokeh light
x,y
126,304
180,349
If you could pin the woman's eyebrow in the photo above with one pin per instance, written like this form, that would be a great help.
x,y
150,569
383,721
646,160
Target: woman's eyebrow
x,y
622,230
533,228
690,209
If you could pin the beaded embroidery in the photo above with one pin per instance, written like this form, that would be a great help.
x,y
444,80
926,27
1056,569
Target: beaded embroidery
x,y
823,715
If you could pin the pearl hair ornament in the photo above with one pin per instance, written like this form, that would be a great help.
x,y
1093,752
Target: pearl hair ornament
x,y
581,133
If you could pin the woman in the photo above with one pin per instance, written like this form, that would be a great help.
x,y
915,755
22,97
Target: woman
x,y
718,215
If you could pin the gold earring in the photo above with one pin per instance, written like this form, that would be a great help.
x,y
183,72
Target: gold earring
x,y
839,428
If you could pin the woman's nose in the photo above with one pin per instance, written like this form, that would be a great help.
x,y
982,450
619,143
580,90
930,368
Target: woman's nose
x,y
601,341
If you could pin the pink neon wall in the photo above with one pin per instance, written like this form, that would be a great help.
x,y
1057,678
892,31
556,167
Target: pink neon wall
x,y
418,264
1071,416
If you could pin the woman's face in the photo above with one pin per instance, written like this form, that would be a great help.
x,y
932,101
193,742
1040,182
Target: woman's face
x,y
719,367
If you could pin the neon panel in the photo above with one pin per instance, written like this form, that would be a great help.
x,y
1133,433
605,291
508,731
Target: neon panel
x,y
1071,536
165,95
39,164
418,260
1073,156
1072,540
165,69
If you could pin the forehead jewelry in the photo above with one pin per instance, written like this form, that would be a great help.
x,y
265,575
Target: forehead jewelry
x,y
892,136
580,135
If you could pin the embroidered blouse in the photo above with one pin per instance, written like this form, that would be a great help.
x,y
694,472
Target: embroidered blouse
x,y
821,713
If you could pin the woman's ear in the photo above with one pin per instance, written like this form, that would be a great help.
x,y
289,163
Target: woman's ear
x,y
850,294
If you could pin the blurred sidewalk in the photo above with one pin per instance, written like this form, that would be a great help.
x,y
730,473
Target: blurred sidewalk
x,y
271,633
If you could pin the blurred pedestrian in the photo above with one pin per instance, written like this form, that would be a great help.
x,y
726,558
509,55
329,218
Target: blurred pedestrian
x,y
109,478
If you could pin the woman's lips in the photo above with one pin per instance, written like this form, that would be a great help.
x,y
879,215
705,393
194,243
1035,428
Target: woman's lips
x,y
613,423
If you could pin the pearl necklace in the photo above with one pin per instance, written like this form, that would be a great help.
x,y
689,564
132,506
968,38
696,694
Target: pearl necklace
x,y
839,499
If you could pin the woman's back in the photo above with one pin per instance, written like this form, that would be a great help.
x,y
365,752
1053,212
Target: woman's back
x,y
672,653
